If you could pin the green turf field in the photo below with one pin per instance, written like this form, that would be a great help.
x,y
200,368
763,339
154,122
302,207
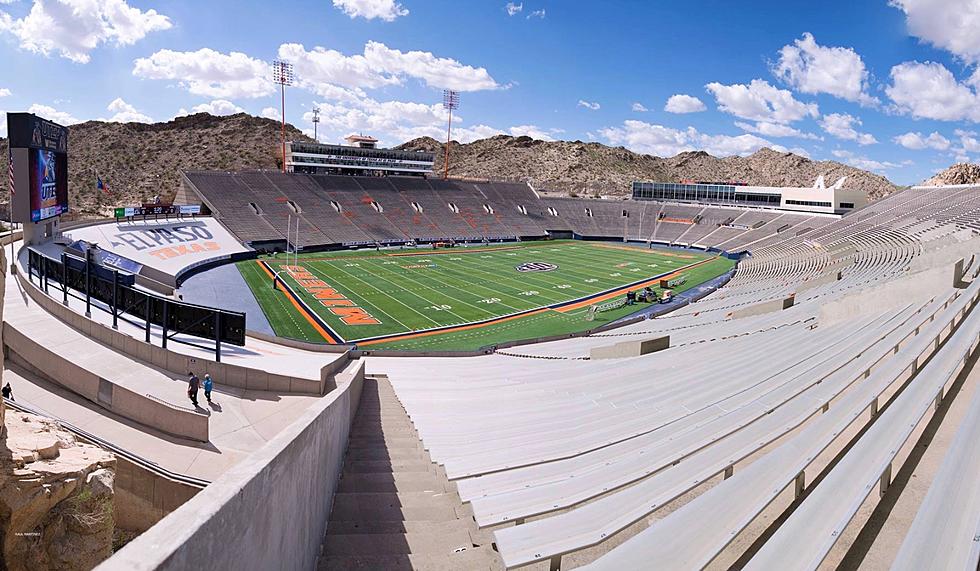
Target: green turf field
x,y
395,299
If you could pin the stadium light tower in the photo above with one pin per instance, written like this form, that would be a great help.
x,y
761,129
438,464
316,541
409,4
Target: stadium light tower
x,y
282,74
316,121
450,101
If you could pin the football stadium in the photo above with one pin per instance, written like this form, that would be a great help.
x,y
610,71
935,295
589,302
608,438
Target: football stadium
x,y
714,379
364,359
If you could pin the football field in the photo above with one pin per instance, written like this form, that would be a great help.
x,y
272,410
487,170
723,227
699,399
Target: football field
x,y
461,298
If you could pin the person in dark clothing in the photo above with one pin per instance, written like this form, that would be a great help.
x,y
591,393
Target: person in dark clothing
x,y
193,385
8,393
630,297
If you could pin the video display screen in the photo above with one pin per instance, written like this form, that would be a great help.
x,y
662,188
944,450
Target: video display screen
x,y
49,184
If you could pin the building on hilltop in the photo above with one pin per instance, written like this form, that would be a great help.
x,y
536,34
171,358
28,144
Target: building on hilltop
x,y
359,157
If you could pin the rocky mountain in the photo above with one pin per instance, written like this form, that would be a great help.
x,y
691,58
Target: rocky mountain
x,y
140,160
588,169
962,173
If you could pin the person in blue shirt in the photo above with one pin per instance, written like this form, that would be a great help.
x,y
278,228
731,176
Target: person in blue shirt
x,y
208,385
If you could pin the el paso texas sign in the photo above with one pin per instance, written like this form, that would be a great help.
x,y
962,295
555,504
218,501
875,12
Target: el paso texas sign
x,y
169,247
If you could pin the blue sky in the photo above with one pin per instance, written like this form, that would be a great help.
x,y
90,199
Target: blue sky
x,y
887,85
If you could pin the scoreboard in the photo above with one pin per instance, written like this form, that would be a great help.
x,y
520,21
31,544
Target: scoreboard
x,y
38,155
158,210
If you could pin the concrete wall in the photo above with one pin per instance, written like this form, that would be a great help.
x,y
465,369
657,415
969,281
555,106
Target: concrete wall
x,y
823,279
625,349
179,363
269,511
764,307
141,408
142,498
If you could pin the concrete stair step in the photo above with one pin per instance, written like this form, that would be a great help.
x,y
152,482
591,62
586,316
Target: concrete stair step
x,y
393,499
388,442
445,543
387,467
393,454
358,513
394,483
482,559
355,527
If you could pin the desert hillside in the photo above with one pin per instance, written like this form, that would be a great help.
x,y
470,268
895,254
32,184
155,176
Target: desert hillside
x,y
962,173
140,161
592,168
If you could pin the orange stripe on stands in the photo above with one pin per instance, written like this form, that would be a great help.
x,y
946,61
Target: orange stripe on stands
x,y
622,291
302,311
451,330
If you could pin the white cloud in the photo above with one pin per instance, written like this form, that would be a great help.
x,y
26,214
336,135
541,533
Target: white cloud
x,y
126,113
759,101
386,10
209,73
514,9
968,141
841,125
3,123
681,103
591,105
52,114
536,14
4,92
395,122
929,91
864,162
947,24
639,108
379,66
271,113
216,107
663,141
812,68
74,28
916,141
773,130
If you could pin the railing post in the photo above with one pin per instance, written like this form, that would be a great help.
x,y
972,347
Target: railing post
x,y
115,298
217,336
88,283
147,305
64,278
166,319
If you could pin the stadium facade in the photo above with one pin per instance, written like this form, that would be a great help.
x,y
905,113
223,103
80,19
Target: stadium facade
x,y
359,157
834,199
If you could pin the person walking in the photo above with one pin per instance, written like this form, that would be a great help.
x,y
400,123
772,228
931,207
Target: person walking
x,y
8,393
208,385
193,385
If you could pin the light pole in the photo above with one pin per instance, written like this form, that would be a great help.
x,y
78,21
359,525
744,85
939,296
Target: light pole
x,y
316,121
282,74
450,101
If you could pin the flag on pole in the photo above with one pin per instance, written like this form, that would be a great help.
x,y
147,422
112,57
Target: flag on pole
x,y
102,185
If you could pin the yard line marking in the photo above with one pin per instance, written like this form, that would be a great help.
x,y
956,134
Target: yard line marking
x,y
314,270
433,278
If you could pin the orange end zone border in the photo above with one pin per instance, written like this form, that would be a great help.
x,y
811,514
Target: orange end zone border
x,y
328,336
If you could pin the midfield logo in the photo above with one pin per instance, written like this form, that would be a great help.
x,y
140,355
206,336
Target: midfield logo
x,y
536,267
